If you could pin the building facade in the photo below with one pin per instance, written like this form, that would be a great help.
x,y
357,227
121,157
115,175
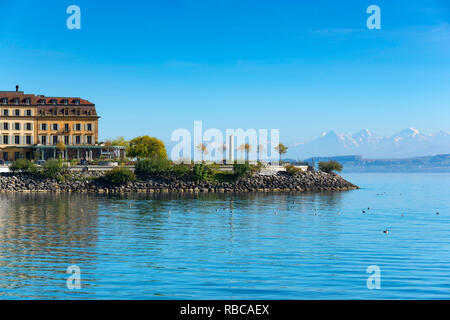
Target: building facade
x,y
40,127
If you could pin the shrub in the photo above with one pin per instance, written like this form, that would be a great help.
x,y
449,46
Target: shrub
x,y
201,172
257,167
120,175
180,170
224,176
51,168
292,170
23,165
330,166
150,166
241,169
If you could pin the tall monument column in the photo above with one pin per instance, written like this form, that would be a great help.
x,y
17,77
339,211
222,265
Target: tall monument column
x,y
231,150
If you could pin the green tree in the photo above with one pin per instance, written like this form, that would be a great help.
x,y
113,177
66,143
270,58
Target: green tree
x,y
259,150
246,148
120,141
147,147
203,149
61,147
330,166
281,149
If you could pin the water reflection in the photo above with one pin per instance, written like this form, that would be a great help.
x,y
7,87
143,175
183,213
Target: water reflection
x,y
42,234
212,245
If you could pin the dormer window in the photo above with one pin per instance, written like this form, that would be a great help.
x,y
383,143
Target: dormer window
x,y
27,101
5,100
42,101
54,102
65,101
16,100
77,102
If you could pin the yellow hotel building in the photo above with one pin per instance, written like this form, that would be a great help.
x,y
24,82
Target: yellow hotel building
x,y
31,126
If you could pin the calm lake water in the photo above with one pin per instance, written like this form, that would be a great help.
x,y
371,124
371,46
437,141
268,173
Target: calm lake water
x,y
223,246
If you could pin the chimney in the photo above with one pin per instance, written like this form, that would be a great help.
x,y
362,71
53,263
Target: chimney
x,y
17,88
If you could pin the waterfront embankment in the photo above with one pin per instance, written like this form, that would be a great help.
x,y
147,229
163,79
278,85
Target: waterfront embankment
x,y
94,182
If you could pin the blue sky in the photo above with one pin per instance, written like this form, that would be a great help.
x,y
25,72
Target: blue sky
x,y
301,66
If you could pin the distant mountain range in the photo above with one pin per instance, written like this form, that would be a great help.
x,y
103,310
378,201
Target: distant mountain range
x,y
437,163
405,144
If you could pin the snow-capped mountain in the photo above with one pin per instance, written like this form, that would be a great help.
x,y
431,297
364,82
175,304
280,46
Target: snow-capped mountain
x,y
406,143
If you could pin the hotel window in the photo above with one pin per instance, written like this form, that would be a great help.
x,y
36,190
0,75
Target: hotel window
x,y
66,112
78,127
16,126
5,100
77,102
77,139
78,112
89,139
89,127
5,126
44,140
27,101
43,126
66,127
42,101
16,100
28,113
6,112
17,112
55,139
16,139
65,101
5,139
66,140
55,127
28,126
27,139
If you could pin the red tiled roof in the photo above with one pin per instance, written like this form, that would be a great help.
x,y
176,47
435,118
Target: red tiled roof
x,y
36,100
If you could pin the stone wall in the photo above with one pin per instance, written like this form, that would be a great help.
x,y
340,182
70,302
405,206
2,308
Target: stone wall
x,y
92,182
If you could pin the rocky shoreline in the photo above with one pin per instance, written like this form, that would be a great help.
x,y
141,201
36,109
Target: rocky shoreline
x,y
92,182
